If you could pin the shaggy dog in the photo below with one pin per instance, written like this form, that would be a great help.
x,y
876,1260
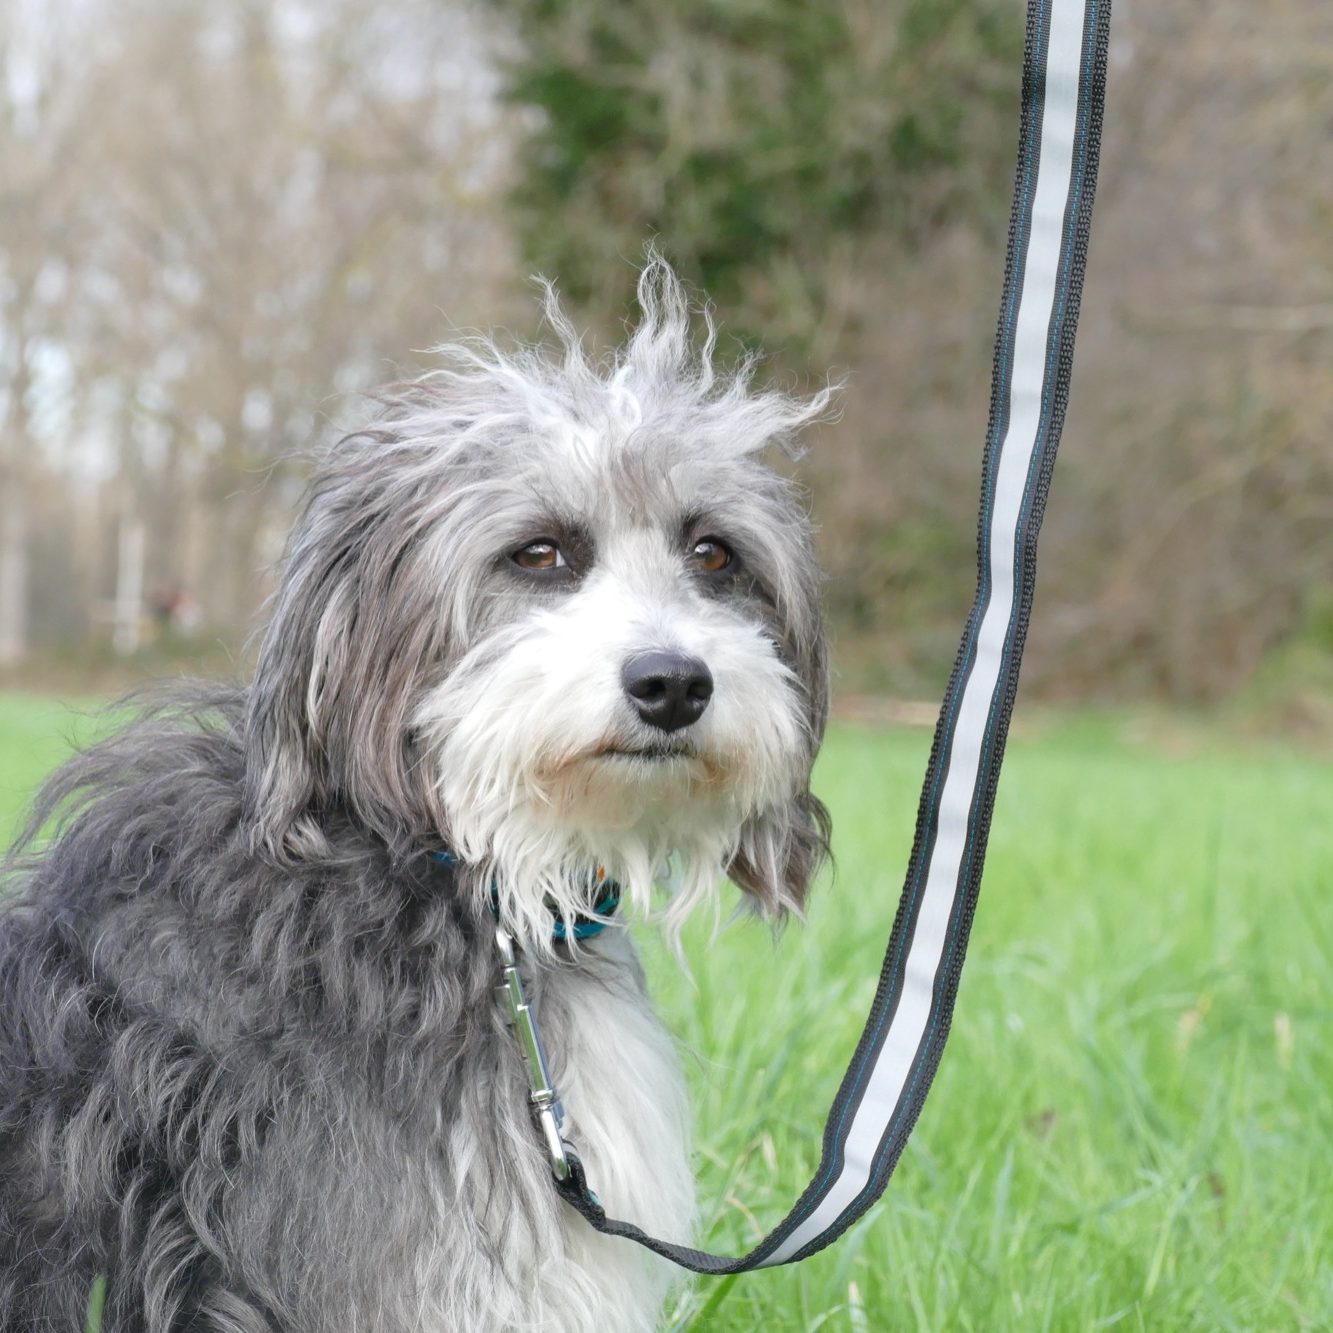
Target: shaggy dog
x,y
549,613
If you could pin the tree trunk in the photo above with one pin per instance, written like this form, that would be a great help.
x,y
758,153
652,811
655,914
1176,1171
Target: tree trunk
x,y
14,501
129,585
13,569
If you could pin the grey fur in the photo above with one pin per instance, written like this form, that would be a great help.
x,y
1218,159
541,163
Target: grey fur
x,y
241,1019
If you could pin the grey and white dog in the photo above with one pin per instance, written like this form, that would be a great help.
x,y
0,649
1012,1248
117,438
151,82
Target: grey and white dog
x,y
550,613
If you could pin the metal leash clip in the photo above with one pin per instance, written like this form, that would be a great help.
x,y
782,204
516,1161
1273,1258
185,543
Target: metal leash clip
x,y
547,1109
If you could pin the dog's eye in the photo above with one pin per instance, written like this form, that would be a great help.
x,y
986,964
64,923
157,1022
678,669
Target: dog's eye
x,y
710,556
540,555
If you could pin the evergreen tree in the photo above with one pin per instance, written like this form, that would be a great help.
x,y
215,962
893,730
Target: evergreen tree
x,y
759,140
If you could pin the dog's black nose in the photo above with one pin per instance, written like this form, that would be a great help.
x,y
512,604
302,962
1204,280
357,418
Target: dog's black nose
x,y
669,690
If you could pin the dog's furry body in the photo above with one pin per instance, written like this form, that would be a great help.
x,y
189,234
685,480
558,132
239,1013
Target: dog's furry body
x,y
252,1069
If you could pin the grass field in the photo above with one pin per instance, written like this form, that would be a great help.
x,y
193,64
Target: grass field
x,y
1133,1124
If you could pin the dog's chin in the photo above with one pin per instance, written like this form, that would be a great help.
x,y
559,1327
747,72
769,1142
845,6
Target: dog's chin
x,y
630,805
622,785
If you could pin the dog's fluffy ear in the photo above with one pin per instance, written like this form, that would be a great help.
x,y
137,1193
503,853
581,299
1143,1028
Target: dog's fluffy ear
x,y
782,848
341,664
281,781
780,853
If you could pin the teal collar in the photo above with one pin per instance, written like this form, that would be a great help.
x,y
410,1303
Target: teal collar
x,y
583,927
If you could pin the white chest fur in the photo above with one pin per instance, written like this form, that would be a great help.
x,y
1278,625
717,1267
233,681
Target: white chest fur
x,y
505,1252
627,1112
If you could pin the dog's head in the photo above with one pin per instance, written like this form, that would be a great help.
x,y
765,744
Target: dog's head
x,y
560,615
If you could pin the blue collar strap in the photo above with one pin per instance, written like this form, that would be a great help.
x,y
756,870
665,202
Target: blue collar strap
x,y
583,927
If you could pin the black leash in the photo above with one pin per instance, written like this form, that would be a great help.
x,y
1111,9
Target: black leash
x,y
1064,77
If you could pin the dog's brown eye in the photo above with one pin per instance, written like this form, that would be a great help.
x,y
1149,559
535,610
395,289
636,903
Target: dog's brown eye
x,y
710,556
540,555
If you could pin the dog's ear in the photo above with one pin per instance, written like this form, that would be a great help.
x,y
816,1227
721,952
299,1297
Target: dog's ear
x,y
780,852
339,670
286,765
782,848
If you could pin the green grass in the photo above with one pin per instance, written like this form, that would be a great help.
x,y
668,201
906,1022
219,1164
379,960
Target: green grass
x,y
35,734
96,1302
1133,1121
1132,1124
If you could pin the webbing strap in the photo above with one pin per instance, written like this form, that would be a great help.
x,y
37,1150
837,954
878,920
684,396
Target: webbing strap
x,y
1064,75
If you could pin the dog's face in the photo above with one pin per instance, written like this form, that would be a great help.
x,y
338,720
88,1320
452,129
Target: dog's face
x,y
560,616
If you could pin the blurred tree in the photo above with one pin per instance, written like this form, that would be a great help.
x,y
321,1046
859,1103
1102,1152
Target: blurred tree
x,y
765,141
293,192
43,111
1193,537
217,220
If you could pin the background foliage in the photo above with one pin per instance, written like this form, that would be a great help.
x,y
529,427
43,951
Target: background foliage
x,y
769,143
219,222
